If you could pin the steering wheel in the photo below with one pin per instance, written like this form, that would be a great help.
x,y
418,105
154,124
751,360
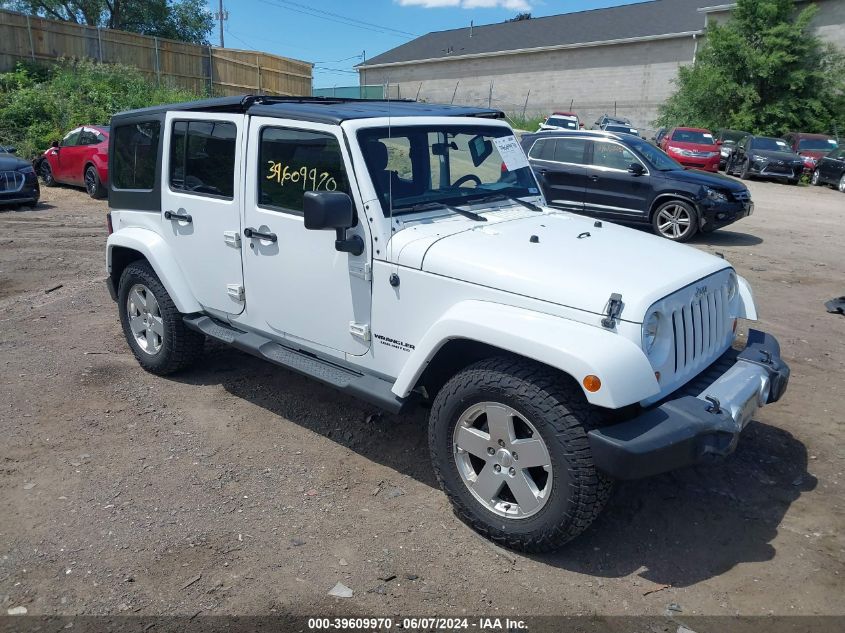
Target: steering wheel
x,y
467,178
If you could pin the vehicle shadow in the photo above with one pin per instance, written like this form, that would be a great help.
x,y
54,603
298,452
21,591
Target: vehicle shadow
x,y
399,442
690,525
674,529
722,237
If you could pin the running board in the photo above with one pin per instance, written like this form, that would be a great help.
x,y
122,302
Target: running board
x,y
369,388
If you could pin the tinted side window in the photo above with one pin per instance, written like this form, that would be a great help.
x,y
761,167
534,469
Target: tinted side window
x,y
71,138
292,162
570,150
88,137
544,149
202,157
135,154
612,156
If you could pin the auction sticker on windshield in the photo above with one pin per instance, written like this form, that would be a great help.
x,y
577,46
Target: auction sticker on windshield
x,y
511,153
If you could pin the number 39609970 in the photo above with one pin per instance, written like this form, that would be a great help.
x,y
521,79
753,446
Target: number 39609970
x,y
308,178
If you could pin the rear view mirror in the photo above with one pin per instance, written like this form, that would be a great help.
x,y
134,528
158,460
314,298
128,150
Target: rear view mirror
x,y
332,210
636,169
479,149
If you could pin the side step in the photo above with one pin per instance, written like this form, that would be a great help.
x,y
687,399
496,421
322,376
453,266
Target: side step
x,y
369,388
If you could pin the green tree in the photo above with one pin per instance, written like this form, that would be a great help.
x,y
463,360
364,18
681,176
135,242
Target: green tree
x,y
764,71
186,20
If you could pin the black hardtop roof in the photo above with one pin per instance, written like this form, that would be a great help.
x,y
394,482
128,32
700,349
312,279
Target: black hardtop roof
x,y
316,109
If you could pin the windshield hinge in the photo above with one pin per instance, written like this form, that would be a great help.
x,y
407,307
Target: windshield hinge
x,y
612,310
232,238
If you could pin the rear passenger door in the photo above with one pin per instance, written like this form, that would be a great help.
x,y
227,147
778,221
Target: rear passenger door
x,y
558,164
201,200
612,190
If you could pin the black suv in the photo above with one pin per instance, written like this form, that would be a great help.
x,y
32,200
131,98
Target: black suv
x,y
765,157
627,179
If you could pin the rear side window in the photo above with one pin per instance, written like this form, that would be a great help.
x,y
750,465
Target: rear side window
x,y
135,154
292,162
570,150
88,137
202,158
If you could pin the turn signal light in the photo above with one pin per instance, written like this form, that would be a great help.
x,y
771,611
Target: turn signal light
x,y
735,320
592,383
108,222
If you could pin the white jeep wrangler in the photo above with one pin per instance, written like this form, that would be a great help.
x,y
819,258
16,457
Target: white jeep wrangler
x,y
403,252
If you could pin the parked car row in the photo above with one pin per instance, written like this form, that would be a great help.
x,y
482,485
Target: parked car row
x,y
18,180
80,159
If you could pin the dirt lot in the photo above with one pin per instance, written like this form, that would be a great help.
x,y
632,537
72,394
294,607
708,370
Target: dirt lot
x,y
240,488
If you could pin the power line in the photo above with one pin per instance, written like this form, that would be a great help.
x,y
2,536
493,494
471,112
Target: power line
x,y
334,17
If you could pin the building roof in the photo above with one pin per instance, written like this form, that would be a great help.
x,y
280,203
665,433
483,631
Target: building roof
x,y
643,20
317,109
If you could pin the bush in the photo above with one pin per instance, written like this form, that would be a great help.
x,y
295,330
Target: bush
x,y
41,104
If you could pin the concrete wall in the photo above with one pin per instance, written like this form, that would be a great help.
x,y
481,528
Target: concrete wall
x,y
632,79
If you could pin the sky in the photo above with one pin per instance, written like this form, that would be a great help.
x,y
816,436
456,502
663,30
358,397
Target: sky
x,y
334,34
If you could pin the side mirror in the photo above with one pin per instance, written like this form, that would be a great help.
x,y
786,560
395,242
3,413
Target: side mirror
x,y
636,169
719,141
327,210
54,144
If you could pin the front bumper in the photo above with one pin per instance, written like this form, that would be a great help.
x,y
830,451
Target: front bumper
x,y
693,429
771,170
717,214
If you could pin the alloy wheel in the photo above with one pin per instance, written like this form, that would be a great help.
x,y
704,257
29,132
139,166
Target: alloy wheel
x,y
145,319
503,460
815,179
46,173
842,184
674,221
91,181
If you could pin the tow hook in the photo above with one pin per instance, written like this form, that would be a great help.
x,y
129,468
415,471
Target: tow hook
x,y
716,406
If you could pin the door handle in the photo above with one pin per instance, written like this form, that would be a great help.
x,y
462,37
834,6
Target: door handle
x,y
178,216
250,233
594,178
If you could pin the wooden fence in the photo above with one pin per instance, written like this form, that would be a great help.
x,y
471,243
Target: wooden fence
x,y
201,69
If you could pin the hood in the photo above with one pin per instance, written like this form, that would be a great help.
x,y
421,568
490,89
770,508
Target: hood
x,y
770,154
703,178
10,162
571,263
696,147
813,153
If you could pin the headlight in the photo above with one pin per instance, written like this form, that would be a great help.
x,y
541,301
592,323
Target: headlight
x,y
758,159
677,150
28,169
715,194
733,287
651,327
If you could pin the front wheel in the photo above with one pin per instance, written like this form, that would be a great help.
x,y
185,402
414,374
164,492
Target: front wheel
x,y
745,172
509,446
47,174
841,185
675,220
153,326
816,178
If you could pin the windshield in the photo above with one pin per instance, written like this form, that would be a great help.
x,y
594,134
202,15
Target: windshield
x,y
730,137
447,164
624,129
693,136
654,155
764,143
569,124
818,144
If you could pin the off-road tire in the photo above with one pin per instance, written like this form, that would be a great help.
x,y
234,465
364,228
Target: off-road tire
x,y
561,414
93,185
180,347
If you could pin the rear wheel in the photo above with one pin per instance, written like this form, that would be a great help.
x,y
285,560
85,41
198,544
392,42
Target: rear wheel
x,y
794,181
153,326
509,446
47,174
92,182
816,178
675,220
745,172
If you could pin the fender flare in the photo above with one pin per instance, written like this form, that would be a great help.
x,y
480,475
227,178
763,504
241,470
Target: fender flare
x,y
672,195
574,348
748,307
158,253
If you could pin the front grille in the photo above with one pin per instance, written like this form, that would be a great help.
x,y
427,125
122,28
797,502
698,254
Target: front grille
x,y
11,181
741,196
700,329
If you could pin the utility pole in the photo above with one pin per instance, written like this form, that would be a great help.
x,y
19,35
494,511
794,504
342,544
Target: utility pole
x,y
221,15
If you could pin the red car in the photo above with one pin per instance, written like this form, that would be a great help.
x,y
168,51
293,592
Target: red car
x,y
811,147
692,147
80,159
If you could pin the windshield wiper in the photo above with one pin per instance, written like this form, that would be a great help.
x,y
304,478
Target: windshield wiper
x,y
431,206
502,196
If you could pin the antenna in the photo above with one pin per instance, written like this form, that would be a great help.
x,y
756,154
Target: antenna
x,y
470,27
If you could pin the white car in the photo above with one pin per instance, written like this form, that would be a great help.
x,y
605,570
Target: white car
x,y
403,252
561,121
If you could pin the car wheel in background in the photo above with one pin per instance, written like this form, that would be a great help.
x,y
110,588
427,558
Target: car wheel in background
x,y
153,326
92,182
745,171
814,180
509,446
675,220
841,185
794,181
47,174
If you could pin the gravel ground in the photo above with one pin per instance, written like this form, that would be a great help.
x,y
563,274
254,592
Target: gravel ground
x,y
240,488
